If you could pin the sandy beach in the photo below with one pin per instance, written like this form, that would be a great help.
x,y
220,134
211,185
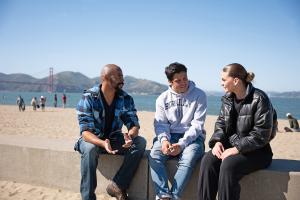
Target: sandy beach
x,y
62,123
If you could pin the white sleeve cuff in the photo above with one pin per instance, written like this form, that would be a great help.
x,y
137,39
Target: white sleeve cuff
x,y
163,139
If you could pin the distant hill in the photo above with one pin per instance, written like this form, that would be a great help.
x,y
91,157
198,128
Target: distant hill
x,y
76,82
143,86
73,82
139,86
5,80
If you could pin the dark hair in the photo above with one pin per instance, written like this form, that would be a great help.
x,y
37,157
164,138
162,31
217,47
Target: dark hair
x,y
237,70
174,68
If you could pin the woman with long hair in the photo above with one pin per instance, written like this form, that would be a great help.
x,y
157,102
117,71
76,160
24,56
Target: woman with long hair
x,y
240,142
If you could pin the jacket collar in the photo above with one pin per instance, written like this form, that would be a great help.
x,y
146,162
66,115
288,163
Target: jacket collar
x,y
191,86
249,91
95,91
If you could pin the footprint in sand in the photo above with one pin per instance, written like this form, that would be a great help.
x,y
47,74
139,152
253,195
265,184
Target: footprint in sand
x,y
13,193
31,190
47,197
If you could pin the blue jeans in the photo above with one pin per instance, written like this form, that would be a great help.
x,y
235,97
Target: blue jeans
x,y
187,160
89,161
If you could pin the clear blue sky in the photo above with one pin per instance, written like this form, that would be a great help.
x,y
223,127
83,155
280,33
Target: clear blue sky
x,y
145,36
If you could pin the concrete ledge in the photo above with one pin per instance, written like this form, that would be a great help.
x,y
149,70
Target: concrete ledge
x,y
108,168
280,181
60,168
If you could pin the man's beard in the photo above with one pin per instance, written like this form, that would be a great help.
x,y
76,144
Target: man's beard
x,y
119,86
116,85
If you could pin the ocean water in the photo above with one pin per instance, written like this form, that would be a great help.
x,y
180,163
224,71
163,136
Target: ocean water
x,y
147,102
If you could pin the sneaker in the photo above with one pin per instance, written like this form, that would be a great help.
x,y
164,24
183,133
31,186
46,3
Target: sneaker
x,y
113,190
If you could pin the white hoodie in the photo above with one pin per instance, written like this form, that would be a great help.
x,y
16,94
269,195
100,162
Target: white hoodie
x,y
181,113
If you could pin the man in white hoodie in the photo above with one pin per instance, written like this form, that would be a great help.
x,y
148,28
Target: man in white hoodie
x,y
179,128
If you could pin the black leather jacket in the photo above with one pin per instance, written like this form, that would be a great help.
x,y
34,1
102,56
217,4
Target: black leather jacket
x,y
253,124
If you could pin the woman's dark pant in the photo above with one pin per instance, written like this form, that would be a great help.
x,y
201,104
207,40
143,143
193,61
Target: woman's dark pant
x,y
222,177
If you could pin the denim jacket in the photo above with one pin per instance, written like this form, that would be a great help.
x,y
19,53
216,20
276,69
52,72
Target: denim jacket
x,y
91,113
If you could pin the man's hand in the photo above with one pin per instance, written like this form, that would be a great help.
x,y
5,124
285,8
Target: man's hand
x,y
165,147
128,141
133,132
108,148
175,149
218,150
229,152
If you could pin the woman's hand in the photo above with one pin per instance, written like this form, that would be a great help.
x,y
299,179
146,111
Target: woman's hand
x,y
229,152
218,150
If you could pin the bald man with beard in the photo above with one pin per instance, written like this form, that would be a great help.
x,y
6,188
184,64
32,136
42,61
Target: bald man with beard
x,y
102,111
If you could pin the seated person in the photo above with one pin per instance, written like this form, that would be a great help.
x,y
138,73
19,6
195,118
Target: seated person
x,y
179,128
102,111
294,126
240,143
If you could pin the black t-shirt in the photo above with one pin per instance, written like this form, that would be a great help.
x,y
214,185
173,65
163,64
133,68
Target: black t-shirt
x,y
238,104
236,110
109,115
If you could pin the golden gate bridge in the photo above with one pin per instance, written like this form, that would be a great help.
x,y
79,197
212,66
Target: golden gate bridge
x,y
50,83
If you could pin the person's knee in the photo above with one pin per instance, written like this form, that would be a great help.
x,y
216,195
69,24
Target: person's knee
x,y
228,167
193,152
140,143
208,161
189,160
156,156
155,152
89,149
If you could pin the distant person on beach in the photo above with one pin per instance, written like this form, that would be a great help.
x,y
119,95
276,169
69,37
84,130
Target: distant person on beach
x,y
43,103
179,129
102,111
21,103
294,125
64,100
55,101
34,103
240,142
